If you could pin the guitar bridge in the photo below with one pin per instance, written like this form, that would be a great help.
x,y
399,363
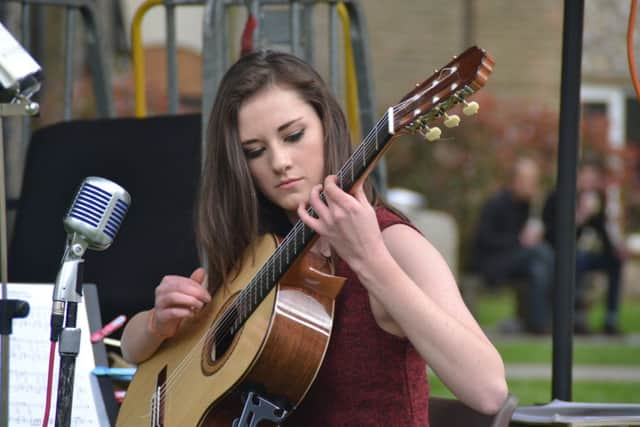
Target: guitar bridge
x,y
157,400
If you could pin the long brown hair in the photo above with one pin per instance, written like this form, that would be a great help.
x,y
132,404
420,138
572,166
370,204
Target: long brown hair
x,y
232,212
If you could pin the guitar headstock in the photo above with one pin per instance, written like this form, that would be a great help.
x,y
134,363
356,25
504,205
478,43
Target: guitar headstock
x,y
447,87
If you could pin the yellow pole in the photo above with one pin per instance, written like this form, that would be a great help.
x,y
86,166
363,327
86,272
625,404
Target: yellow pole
x,y
138,57
351,92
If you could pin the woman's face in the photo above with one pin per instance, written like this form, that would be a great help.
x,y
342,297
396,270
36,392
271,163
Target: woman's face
x,y
283,141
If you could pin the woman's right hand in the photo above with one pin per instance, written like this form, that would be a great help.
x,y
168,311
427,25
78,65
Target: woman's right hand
x,y
176,298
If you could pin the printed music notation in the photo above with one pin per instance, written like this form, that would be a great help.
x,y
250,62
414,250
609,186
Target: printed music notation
x,y
29,364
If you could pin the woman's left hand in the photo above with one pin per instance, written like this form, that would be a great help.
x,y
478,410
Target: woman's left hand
x,y
347,221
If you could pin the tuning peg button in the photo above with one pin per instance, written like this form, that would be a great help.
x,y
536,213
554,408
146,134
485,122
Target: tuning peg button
x,y
451,121
470,108
431,134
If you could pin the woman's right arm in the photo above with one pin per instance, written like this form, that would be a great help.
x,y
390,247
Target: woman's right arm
x,y
176,298
138,342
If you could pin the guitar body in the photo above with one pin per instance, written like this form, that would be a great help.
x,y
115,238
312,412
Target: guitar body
x,y
278,350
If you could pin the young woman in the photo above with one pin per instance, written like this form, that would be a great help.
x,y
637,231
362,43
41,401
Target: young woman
x,y
276,136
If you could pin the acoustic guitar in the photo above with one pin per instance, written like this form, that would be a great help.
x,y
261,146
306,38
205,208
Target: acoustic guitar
x,y
263,337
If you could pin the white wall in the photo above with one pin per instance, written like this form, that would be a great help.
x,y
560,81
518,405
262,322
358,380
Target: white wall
x,y
188,24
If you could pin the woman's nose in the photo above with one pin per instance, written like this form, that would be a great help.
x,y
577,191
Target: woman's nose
x,y
280,159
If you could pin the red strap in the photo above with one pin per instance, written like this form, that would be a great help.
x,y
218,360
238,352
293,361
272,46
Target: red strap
x,y
246,42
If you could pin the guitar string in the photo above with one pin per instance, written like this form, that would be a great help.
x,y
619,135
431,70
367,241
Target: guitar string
x,y
227,316
286,243
362,149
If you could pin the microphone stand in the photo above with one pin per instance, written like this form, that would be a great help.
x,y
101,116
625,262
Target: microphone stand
x,y
9,309
67,294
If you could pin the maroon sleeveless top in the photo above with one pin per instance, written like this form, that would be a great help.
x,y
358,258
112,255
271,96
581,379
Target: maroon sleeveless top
x,y
369,377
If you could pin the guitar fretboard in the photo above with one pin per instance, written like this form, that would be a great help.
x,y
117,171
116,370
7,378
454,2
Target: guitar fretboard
x,y
431,99
300,235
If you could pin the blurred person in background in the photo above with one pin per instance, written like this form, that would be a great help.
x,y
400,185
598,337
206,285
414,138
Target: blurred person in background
x,y
595,246
509,246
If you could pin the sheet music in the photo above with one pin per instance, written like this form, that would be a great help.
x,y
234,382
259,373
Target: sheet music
x,y
29,364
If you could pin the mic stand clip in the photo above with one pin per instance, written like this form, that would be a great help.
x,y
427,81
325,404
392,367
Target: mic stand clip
x,y
67,292
21,106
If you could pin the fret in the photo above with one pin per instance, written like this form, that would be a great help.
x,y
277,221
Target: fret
x,y
255,287
239,315
256,292
352,173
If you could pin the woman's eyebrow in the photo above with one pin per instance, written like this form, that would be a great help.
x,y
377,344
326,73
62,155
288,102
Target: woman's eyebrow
x,y
287,124
280,129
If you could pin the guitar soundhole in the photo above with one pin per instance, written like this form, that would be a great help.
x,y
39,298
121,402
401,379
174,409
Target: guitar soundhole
x,y
221,338
222,342
225,331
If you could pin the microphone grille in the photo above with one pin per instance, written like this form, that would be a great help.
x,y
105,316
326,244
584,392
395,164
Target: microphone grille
x,y
115,220
97,212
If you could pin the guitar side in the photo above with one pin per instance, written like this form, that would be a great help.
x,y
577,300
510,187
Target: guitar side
x,y
280,348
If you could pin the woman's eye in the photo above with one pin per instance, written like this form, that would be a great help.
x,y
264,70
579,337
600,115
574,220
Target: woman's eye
x,y
294,137
252,154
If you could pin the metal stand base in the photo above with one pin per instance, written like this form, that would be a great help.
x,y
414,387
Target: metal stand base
x,y
257,408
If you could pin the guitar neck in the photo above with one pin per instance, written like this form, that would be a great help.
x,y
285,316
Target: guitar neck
x,y
427,102
295,242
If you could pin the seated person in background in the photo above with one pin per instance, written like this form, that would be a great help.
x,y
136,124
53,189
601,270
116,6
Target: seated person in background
x,y
508,245
595,249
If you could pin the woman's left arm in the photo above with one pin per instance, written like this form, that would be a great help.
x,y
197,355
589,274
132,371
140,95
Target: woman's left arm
x,y
412,283
413,294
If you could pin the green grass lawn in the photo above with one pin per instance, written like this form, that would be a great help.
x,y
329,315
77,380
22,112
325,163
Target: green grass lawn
x,y
531,392
584,353
491,308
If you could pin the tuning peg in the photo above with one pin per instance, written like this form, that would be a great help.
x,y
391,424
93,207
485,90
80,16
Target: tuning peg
x,y
451,121
470,108
431,134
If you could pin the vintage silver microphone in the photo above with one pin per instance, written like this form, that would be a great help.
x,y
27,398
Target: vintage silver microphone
x,y
97,212
92,222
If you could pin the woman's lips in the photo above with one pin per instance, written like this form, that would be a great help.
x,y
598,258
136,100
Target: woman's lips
x,y
288,182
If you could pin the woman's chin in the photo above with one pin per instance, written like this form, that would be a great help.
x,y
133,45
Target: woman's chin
x,y
292,202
